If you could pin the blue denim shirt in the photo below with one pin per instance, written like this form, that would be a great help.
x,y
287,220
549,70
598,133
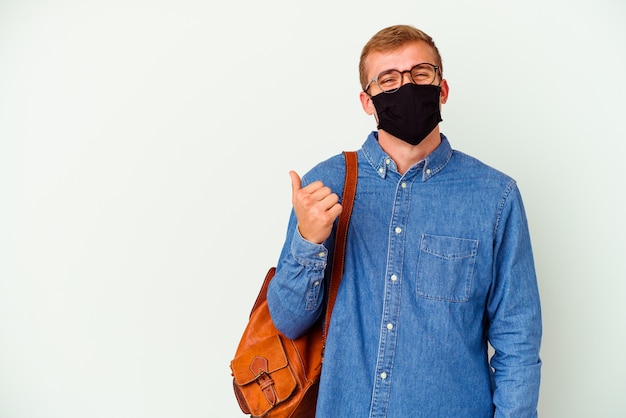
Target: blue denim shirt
x,y
438,264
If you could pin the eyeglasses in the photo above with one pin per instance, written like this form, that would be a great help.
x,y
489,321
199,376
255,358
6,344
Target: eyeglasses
x,y
390,81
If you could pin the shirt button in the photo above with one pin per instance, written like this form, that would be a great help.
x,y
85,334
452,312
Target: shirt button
x,y
381,170
383,375
394,277
388,161
428,171
398,229
320,254
389,326
317,283
403,185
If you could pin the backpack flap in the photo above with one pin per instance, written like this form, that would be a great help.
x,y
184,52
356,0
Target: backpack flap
x,y
262,375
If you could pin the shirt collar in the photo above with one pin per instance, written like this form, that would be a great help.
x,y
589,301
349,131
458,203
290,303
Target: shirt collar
x,y
382,162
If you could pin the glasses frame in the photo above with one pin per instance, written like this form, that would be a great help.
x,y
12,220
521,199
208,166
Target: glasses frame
x,y
375,79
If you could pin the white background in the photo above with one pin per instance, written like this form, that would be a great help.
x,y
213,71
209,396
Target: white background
x,y
144,189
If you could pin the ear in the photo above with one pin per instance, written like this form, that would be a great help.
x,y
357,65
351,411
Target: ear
x,y
445,89
366,103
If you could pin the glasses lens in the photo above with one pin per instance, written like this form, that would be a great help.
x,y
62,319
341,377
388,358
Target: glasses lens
x,y
423,73
389,80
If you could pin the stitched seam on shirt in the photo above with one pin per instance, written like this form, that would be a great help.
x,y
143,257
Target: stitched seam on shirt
x,y
505,196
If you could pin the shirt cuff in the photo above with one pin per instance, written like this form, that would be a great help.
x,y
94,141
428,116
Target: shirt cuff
x,y
308,253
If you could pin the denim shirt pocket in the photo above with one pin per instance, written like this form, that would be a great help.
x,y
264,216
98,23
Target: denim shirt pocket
x,y
445,267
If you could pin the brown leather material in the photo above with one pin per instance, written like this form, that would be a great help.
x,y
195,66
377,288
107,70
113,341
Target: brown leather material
x,y
347,202
274,376
259,368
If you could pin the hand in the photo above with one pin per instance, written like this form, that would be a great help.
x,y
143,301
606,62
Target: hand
x,y
316,208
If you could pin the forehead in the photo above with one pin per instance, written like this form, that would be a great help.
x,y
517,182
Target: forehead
x,y
401,58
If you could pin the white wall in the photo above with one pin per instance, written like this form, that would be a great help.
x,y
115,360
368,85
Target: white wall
x,y
144,152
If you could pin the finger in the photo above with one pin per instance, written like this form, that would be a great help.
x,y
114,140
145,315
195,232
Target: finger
x,y
296,182
313,187
321,193
329,200
335,211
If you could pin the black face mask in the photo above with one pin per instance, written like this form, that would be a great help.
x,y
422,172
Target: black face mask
x,y
410,113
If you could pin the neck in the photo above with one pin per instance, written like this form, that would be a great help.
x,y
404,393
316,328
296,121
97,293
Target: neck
x,y
404,154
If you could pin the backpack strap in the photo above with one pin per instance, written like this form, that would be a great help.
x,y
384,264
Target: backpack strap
x,y
347,203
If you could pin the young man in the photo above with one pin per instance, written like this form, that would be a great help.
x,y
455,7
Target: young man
x,y
438,261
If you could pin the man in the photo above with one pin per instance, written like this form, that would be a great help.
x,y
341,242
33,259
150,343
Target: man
x,y
438,261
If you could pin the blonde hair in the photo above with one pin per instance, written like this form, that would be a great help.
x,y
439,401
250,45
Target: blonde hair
x,y
391,38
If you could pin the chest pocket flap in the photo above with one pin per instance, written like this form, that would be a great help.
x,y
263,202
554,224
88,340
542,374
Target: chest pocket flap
x,y
445,267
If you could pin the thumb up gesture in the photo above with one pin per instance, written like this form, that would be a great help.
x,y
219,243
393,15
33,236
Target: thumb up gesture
x,y
316,207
